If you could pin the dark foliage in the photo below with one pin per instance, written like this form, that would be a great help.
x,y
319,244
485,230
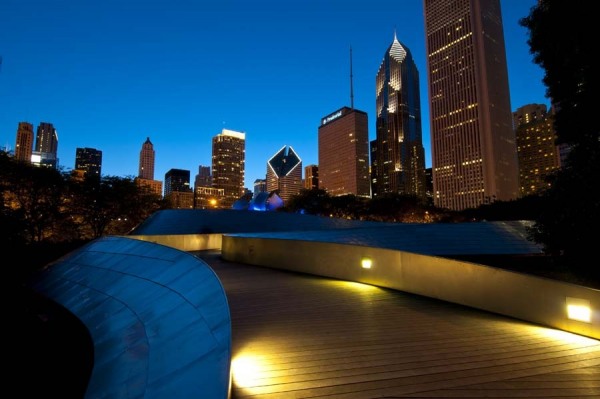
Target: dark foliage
x,y
526,208
562,39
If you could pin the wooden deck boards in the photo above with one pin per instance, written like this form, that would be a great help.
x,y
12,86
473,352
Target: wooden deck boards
x,y
309,337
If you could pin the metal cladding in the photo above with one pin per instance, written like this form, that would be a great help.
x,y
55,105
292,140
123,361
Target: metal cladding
x,y
158,317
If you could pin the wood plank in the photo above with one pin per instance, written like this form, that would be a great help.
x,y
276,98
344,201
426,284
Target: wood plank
x,y
313,337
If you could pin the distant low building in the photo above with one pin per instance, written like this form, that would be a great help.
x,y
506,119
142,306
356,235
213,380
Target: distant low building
x,y
208,197
180,200
154,186
260,186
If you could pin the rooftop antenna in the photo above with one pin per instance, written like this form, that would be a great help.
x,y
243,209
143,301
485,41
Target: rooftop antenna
x,y
351,86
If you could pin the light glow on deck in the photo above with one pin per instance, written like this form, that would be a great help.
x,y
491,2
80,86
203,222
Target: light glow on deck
x,y
246,370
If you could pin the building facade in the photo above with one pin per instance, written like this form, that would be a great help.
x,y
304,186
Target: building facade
x,y
46,146
397,153
474,152
152,186
207,197
344,153
89,161
177,180
311,177
203,178
147,157
284,173
24,145
229,165
260,186
537,152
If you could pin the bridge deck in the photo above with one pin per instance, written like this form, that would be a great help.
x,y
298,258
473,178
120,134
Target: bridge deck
x,y
301,336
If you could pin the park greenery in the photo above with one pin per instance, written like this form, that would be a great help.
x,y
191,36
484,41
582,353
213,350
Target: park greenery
x,y
45,212
562,41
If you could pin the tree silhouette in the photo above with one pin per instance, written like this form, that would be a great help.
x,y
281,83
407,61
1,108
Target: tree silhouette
x,y
568,55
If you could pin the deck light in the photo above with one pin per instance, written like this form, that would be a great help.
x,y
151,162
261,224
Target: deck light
x,y
579,309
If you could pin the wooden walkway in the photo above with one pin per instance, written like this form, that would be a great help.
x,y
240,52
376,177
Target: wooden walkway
x,y
301,336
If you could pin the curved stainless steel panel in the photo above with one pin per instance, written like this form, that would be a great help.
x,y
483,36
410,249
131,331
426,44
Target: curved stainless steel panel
x,y
158,317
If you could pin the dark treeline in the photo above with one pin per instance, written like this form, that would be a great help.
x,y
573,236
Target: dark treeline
x,y
398,208
45,213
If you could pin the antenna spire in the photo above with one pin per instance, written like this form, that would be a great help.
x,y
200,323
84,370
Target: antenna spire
x,y
351,86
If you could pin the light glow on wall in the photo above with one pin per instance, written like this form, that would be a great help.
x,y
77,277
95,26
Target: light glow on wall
x,y
366,263
579,309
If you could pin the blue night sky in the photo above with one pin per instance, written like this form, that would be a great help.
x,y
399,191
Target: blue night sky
x,y
110,73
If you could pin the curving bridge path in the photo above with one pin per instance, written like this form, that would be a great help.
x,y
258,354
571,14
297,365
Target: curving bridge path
x,y
301,336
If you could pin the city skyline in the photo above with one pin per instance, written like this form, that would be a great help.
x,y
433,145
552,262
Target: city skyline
x,y
109,75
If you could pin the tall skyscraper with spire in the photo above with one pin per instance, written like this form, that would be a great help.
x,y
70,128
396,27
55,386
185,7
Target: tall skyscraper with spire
x,y
229,165
474,153
145,177
397,154
146,168
24,145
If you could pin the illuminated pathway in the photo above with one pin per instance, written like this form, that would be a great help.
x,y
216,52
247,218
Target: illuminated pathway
x,y
300,336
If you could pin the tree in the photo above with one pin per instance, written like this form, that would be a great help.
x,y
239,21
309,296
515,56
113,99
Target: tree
x,y
395,207
111,205
562,40
12,227
315,201
33,196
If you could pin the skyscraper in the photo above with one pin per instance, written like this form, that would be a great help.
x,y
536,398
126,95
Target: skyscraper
x,y
146,168
178,193
537,152
177,180
344,153
397,154
89,161
474,154
284,173
145,177
24,146
46,146
229,165
311,177
47,138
